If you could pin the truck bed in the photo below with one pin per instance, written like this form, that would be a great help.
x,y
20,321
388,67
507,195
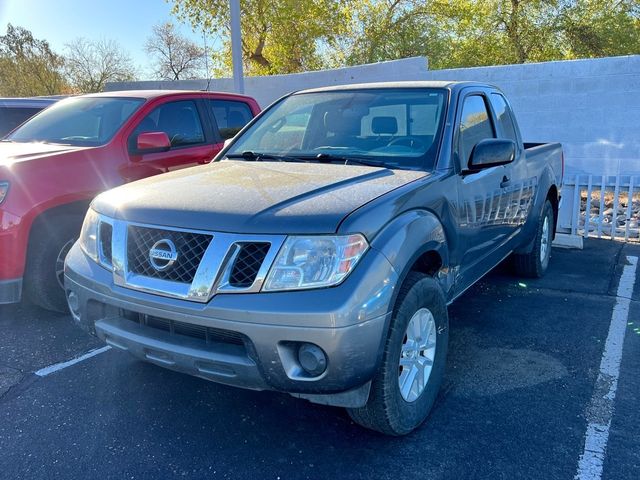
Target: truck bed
x,y
546,155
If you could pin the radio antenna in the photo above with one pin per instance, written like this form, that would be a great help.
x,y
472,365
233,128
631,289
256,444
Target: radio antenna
x,y
206,59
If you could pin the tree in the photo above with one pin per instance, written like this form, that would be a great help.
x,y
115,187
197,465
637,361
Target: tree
x,y
175,57
598,28
91,64
284,36
278,36
391,29
28,66
531,28
463,33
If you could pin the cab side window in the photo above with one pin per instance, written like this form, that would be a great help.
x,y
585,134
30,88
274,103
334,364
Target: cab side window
x,y
11,117
230,116
475,126
179,120
504,117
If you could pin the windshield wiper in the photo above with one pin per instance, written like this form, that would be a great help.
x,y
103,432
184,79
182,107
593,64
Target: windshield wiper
x,y
346,159
321,157
259,156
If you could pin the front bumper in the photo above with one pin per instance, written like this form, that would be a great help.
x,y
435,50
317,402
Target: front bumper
x,y
13,247
254,337
10,290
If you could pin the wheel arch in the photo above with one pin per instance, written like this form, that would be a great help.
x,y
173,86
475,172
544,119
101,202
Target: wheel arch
x,y
45,218
45,221
416,241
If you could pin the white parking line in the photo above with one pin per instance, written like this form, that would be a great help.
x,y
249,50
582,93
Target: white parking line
x,y
600,410
43,372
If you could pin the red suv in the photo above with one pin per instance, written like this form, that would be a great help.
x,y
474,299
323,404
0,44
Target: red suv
x,y
55,163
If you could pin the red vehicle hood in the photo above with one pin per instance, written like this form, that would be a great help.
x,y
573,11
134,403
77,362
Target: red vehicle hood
x,y
13,152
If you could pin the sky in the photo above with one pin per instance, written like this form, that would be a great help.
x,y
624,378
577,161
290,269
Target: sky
x,y
129,22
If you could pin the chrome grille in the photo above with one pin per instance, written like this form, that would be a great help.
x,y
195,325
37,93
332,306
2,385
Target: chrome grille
x,y
247,264
190,248
192,265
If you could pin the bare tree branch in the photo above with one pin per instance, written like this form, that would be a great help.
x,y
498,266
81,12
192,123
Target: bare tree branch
x,y
175,56
91,64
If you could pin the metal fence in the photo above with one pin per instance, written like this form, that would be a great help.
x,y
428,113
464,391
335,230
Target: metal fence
x,y
601,206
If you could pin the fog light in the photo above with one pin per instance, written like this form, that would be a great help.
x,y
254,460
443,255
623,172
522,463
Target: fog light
x,y
74,305
312,358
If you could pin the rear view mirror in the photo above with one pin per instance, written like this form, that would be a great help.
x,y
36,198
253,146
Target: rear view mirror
x,y
149,142
491,152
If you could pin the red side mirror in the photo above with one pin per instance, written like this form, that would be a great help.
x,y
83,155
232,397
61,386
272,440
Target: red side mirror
x,y
153,142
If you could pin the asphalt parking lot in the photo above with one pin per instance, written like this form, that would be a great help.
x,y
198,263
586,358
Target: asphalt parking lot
x,y
523,363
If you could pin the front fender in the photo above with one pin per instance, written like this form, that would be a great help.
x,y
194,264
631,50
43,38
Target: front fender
x,y
407,237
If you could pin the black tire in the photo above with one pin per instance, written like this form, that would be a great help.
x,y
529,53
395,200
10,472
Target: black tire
x,y
386,410
534,264
49,238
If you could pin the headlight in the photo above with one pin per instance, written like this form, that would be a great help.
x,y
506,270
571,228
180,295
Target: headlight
x,y
315,261
4,188
89,235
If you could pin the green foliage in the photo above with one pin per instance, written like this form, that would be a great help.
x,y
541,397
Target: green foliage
x,y
599,28
28,66
279,36
284,36
463,33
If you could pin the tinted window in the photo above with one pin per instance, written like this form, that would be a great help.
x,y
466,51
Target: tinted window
x,y
474,126
179,120
399,127
78,121
289,137
503,116
11,117
230,116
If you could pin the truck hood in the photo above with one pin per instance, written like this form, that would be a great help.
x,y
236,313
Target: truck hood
x,y
14,152
253,197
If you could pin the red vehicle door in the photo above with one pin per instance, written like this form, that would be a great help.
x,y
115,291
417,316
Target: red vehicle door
x,y
193,138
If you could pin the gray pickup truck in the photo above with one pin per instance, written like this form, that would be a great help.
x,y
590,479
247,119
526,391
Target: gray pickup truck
x,y
317,255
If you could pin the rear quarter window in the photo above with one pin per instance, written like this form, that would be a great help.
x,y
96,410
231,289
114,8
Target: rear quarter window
x,y
230,116
504,117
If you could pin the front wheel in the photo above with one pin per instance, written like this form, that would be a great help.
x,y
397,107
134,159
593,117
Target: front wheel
x,y
49,244
534,264
407,384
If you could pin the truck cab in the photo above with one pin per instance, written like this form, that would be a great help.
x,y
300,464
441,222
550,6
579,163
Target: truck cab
x,y
317,255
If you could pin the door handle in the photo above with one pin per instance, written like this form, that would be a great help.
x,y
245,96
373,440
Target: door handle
x,y
506,181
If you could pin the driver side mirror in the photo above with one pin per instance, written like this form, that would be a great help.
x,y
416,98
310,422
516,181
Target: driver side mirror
x,y
491,152
150,142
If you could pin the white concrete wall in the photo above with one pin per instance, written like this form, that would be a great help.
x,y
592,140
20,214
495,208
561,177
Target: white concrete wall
x,y
268,89
591,106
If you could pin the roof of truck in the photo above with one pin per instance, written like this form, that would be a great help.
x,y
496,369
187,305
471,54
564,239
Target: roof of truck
x,y
451,84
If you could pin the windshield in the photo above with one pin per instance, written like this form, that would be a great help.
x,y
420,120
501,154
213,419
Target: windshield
x,y
78,121
398,128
